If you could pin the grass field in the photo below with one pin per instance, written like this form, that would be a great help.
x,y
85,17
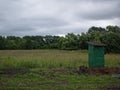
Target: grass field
x,y
53,70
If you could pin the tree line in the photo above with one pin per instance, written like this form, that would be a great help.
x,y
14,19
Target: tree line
x,y
109,36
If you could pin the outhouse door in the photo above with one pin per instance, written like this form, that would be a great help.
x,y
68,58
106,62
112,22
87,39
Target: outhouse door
x,y
99,56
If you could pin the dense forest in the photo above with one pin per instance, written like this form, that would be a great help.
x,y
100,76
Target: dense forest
x,y
109,36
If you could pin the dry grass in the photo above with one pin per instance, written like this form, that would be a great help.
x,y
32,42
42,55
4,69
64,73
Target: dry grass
x,y
41,58
112,60
50,59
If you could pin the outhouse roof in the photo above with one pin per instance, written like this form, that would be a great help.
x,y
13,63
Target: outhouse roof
x,y
96,43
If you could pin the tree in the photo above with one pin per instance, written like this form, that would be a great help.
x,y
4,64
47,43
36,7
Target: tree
x,y
109,36
95,33
113,29
112,39
71,41
2,43
83,38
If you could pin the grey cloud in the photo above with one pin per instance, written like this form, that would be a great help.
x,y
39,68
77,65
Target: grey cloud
x,y
28,26
45,22
101,9
41,17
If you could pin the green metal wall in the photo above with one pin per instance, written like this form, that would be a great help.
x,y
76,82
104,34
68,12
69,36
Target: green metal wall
x,y
96,56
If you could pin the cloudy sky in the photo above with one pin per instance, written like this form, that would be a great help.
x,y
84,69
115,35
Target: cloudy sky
x,y
56,17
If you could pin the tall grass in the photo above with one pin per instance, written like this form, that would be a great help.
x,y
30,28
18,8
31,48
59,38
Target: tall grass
x,y
112,60
50,59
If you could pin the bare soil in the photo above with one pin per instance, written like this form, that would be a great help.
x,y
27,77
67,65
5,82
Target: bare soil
x,y
81,70
55,71
99,71
13,71
113,87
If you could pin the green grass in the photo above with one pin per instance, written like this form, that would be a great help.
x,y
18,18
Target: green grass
x,y
57,82
46,60
50,59
42,59
112,60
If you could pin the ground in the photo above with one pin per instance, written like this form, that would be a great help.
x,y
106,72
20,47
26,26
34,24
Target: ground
x,y
56,70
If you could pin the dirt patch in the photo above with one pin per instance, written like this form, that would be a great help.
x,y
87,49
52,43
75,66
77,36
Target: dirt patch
x,y
55,71
98,71
13,71
114,71
113,87
105,70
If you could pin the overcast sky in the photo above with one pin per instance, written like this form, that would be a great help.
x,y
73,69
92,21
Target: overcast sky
x,y
56,17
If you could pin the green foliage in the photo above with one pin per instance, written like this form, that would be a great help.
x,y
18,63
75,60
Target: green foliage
x,y
2,43
95,33
109,36
112,39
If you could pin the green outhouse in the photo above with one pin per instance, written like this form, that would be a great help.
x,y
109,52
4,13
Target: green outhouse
x,y
96,54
